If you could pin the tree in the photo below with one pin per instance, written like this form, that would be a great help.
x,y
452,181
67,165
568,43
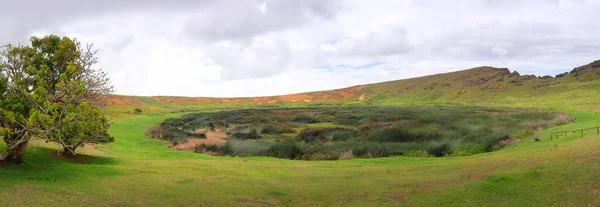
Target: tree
x,y
137,111
51,91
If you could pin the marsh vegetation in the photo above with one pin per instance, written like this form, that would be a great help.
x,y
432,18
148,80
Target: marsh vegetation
x,y
358,132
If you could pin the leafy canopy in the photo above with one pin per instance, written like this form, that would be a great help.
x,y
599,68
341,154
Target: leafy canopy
x,y
50,90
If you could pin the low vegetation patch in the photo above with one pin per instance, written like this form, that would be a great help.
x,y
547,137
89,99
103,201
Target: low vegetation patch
x,y
362,132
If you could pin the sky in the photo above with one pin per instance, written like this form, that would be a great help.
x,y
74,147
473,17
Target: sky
x,y
243,48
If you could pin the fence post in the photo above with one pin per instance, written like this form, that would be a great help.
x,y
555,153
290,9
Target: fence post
x,y
582,133
598,130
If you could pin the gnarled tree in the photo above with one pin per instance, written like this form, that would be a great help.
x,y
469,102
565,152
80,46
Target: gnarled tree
x,y
51,91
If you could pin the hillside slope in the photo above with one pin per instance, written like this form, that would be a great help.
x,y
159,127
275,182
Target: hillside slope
x,y
578,89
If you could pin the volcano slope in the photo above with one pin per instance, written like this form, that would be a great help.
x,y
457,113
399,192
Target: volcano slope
x,y
139,171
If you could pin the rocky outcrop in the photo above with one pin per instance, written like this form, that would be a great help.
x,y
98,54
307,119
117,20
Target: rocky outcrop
x,y
587,68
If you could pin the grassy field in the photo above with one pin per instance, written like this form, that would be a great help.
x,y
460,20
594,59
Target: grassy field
x,y
138,171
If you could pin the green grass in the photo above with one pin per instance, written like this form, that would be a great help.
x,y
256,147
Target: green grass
x,y
329,125
138,171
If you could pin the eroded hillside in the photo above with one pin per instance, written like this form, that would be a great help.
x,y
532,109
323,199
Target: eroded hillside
x,y
577,89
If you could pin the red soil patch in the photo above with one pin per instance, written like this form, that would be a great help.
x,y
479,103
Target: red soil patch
x,y
263,100
232,100
115,101
340,94
118,100
296,97
349,92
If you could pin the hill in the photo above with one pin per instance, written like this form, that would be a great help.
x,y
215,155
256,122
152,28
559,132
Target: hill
x,y
578,89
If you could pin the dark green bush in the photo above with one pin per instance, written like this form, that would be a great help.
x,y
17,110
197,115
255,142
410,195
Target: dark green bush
x,y
252,134
305,119
439,149
285,150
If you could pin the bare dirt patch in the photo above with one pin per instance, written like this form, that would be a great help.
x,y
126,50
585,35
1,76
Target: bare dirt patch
x,y
263,100
117,100
296,97
217,137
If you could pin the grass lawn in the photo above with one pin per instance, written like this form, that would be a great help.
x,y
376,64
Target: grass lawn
x,y
139,171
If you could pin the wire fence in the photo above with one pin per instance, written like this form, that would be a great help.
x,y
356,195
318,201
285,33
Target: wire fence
x,y
565,134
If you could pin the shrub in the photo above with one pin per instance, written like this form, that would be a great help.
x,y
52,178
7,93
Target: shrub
x,y
286,150
438,149
276,129
321,134
343,135
390,134
305,119
252,134
155,132
175,136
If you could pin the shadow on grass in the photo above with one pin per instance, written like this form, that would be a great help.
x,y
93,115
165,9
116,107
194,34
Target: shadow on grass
x,y
43,164
83,158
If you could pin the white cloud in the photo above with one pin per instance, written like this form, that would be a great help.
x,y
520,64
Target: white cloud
x,y
267,47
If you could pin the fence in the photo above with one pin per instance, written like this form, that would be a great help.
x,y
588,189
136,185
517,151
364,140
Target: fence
x,y
566,133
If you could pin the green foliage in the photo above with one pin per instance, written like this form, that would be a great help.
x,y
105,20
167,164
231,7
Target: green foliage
x,y
50,90
137,111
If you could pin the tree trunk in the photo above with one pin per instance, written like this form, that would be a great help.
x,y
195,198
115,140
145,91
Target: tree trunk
x,y
69,151
14,154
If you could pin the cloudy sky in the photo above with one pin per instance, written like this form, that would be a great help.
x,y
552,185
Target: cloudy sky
x,y
226,48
